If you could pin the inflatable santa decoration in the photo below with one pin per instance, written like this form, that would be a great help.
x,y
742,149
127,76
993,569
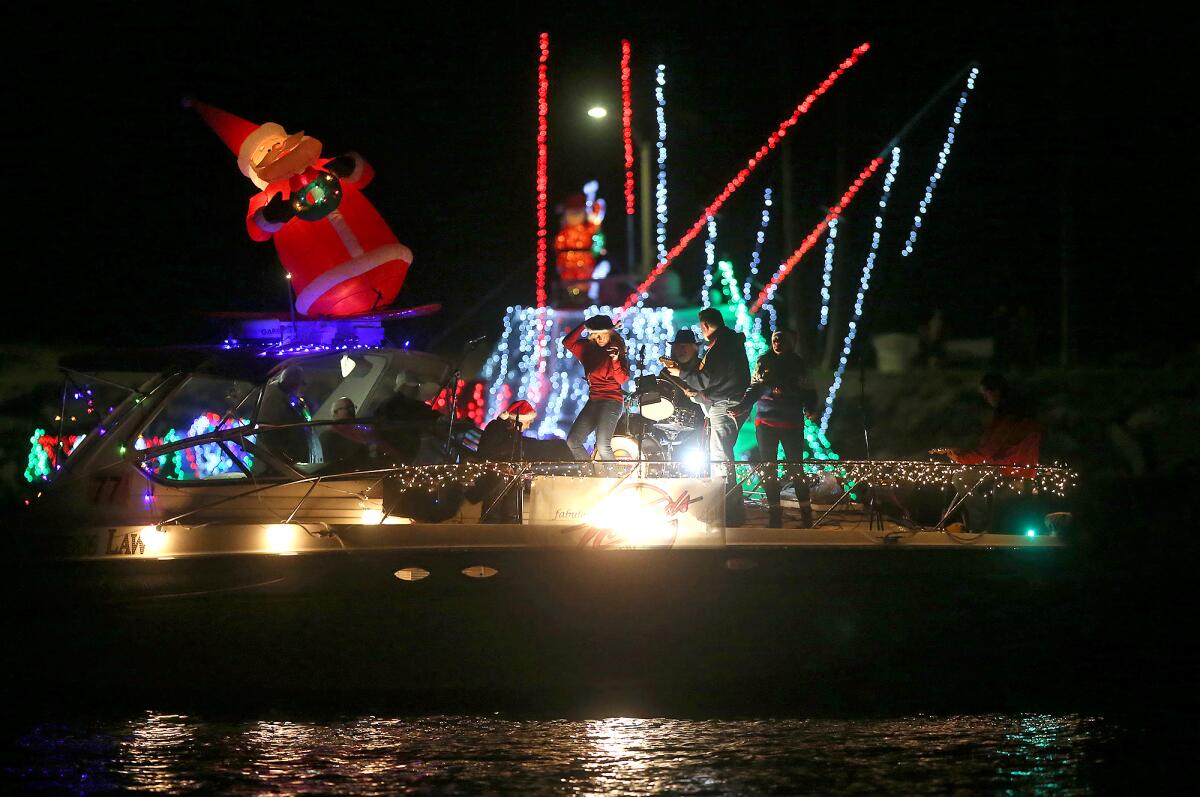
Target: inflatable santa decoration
x,y
575,245
342,256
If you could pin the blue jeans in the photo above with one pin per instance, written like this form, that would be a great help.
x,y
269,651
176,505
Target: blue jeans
x,y
723,433
599,416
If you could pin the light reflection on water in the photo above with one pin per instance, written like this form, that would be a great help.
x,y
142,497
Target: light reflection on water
x,y
995,754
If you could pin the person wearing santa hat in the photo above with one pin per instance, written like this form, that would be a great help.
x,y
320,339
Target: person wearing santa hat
x,y
607,367
340,254
501,438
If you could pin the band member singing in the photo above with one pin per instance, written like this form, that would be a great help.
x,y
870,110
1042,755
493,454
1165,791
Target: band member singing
x,y
721,380
607,367
782,390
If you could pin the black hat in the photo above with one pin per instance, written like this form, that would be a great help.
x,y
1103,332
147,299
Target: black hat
x,y
685,336
598,323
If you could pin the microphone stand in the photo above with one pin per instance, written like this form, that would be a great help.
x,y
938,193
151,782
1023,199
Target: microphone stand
x,y
641,362
453,387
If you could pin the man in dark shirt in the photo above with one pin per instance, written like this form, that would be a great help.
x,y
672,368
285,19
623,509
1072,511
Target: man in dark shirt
x,y
782,391
720,381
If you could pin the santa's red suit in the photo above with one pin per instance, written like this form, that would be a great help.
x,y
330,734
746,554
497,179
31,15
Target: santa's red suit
x,y
346,263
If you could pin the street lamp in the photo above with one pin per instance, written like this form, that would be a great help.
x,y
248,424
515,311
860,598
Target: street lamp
x,y
600,112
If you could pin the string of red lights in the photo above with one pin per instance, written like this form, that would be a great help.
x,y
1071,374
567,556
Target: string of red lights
x,y
736,183
542,185
627,124
542,134
811,239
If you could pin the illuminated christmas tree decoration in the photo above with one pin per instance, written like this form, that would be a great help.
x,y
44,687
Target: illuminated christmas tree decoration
x,y
660,191
939,167
759,238
627,125
785,268
827,276
541,185
710,256
733,185
863,285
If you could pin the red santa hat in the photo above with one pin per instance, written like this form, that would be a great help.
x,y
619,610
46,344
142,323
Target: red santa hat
x,y
520,411
242,137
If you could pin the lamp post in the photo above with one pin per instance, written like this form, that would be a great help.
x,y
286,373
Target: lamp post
x,y
598,112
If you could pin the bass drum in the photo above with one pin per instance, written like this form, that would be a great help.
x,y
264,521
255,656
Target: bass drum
x,y
626,448
684,414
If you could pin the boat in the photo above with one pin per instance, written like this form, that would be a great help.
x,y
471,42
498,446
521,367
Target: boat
x,y
207,538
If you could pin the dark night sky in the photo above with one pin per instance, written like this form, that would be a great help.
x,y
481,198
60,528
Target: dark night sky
x,y
128,211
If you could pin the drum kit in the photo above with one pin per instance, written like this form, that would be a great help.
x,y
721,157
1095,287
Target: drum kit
x,y
665,420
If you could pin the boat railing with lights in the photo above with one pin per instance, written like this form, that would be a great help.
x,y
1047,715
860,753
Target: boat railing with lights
x,y
470,491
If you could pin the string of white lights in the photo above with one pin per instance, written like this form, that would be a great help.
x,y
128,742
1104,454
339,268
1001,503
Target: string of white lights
x,y
660,191
863,285
827,275
939,167
759,237
710,260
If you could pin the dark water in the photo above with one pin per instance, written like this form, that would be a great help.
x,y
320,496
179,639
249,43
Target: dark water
x,y
972,754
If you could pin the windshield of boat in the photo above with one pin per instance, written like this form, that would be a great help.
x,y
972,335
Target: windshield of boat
x,y
311,412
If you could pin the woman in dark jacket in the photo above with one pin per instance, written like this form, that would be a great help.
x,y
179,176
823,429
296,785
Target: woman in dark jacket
x,y
607,367
782,391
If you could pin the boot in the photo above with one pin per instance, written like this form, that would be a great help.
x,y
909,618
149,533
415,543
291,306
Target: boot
x,y
774,516
806,518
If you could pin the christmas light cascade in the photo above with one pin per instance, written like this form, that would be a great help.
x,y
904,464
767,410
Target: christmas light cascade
x,y
627,125
710,258
542,184
827,275
756,345
785,268
542,189
639,295
660,191
759,238
863,285
939,167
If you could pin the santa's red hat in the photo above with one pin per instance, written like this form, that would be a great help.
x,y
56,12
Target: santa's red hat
x,y
241,136
520,411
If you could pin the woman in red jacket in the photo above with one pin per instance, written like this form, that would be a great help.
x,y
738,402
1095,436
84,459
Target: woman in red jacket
x,y
607,367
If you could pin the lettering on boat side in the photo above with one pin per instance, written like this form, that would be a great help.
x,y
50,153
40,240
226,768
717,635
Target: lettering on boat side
x,y
130,544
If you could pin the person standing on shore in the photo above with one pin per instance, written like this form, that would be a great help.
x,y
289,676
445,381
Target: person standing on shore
x,y
606,364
